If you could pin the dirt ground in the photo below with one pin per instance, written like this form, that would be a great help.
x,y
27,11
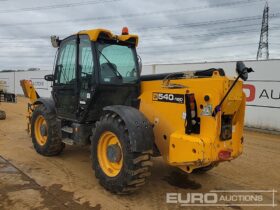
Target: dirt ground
x,y
31,181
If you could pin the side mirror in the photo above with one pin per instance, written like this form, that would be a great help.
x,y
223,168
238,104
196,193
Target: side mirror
x,y
139,63
55,41
49,77
242,70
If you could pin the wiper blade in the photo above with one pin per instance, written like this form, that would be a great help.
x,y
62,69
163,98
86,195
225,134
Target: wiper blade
x,y
118,74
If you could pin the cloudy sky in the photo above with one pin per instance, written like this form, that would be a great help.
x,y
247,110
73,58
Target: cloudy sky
x,y
170,31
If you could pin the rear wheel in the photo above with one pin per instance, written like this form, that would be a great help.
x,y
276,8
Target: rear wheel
x,y
118,169
2,115
44,132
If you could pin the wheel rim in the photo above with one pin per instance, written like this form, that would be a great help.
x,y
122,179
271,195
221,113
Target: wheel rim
x,y
40,130
109,143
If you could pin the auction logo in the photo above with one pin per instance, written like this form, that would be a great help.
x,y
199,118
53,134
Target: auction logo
x,y
261,93
252,92
224,198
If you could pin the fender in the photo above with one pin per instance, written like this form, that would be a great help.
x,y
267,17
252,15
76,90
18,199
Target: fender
x,y
47,102
140,130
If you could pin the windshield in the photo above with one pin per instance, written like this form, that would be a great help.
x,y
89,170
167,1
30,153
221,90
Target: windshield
x,y
117,63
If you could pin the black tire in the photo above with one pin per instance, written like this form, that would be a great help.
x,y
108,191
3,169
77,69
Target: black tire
x,y
203,170
53,145
136,165
2,115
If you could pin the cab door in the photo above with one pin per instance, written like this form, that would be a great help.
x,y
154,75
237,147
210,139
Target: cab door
x,y
87,80
65,79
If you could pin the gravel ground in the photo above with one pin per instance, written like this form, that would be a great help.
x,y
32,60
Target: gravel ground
x,y
31,181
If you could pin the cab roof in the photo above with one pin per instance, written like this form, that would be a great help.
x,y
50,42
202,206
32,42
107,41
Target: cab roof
x,y
94,34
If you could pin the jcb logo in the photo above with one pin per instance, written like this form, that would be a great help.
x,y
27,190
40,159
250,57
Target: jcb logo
x,y
155,96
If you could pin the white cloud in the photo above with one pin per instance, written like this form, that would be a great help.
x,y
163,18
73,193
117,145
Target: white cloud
x,y
166,29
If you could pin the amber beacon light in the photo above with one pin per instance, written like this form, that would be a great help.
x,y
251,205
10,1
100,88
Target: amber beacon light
x,y
125,31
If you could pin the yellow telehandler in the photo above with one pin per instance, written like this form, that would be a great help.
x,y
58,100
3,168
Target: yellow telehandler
x,y
194,120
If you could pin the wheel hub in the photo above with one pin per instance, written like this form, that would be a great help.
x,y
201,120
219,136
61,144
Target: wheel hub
x,y
109,153
43,130
114,153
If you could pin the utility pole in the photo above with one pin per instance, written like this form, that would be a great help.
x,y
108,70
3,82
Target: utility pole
x,y
263,52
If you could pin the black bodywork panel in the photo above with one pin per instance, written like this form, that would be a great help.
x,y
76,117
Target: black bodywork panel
x,y
226,127
81,133
108,95
191,127
139,128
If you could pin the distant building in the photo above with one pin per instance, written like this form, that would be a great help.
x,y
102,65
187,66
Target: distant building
x,y
33,69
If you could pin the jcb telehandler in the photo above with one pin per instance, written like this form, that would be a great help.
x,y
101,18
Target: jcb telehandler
x,y
194,120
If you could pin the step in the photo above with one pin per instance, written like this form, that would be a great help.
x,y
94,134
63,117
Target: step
x,y
67,129
68,141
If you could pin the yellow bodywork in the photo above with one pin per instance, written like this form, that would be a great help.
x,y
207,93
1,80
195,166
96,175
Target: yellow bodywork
x,y
195,150
29,92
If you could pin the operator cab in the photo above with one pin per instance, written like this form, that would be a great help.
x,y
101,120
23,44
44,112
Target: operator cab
x,y
94,69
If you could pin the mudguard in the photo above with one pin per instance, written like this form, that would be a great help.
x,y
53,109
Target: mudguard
x,y
140,130
47,102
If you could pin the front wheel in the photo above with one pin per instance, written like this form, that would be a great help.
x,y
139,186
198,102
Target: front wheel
x,y
118,169
44,132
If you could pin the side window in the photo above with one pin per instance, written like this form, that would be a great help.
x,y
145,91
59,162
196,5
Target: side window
x,y
85,56
66,63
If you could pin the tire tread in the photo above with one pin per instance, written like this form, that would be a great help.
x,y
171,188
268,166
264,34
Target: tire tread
x,y
138,165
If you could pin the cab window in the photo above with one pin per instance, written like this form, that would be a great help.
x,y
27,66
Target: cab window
x,y
117,64
66,63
